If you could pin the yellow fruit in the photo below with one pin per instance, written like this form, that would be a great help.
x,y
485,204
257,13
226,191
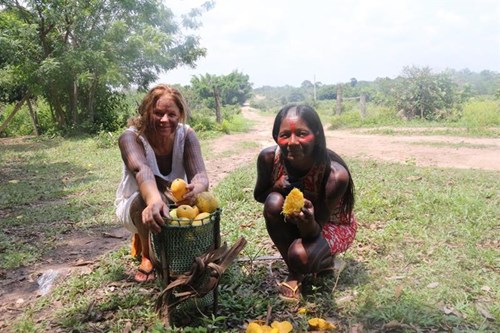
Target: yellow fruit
x,y
207,202
254,328
178,188
294,202
173,213
182,221
202,218
197,223
282,326
186,211
196,209
320,324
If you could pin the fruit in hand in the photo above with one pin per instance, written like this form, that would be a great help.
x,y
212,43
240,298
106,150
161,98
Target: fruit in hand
x,y
206,202
294,202
178,188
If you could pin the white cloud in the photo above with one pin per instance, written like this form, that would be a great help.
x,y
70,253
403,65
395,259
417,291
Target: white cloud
x,y
286,42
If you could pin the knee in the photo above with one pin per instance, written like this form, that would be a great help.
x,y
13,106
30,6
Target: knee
x,y
273,206
136,208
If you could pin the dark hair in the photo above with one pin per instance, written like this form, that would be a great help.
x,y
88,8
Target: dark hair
x,y
322,154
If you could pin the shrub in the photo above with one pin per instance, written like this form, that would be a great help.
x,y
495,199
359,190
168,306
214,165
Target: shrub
x,y
481,113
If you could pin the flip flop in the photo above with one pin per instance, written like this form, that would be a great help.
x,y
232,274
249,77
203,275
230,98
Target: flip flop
x,y
295,292
150,275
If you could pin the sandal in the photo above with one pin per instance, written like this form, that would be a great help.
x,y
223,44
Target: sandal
x,y
295,291
150,275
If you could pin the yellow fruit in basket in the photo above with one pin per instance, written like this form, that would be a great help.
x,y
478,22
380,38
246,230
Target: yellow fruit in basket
x,y
294,202
182,221
186,211
173,213
178,188
202,218
207,202
196,209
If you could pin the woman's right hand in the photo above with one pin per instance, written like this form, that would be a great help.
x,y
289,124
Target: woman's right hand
x,y
152,215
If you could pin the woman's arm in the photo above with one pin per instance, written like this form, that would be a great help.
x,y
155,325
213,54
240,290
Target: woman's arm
x,y
264,183
195,167
134,157
335,187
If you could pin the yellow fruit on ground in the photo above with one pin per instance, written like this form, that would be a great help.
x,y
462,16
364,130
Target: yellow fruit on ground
x,y
207,202
254,328
282,326
294,202
320,324
202,218
186,211
178,188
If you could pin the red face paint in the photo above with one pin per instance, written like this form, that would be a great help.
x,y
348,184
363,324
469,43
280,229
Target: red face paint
x,y
296,138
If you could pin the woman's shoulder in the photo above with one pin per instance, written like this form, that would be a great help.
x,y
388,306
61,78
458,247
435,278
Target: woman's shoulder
x,y
129,133
338,173
267,154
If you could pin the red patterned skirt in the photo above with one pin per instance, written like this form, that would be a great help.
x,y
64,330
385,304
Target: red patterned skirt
x,y
340,236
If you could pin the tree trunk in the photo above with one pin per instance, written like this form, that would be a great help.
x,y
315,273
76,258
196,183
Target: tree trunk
x,y
339,99
218,115
362,106
73,103
55,103
91,101
16,108
34,118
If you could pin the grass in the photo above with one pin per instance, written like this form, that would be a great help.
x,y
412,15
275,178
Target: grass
x,y
425,258
480,118
52,186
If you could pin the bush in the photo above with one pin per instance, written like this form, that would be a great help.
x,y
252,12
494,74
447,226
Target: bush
x,y
20,125
481,113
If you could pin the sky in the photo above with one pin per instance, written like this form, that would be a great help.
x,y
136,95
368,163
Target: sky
x,y
285,42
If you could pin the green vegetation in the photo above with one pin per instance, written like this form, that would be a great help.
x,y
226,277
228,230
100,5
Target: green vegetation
x,y
425,259
75,56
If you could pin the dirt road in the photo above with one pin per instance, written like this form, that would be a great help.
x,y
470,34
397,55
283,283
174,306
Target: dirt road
x,y
422,150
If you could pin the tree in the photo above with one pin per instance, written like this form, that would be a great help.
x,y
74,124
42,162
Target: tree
x,y
420,93
218,91
74,52
306,84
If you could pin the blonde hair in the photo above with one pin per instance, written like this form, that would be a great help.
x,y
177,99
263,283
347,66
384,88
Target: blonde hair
x,y
143,121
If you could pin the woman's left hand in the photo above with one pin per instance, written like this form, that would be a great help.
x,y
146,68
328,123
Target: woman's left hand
x,y
190,197
305,219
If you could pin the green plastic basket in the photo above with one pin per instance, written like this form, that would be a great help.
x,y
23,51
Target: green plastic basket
x,y
176,246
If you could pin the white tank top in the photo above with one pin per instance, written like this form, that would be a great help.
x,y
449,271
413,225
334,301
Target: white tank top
x,y
128,184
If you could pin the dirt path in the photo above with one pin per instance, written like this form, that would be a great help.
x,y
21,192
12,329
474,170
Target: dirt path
x,y
77,252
